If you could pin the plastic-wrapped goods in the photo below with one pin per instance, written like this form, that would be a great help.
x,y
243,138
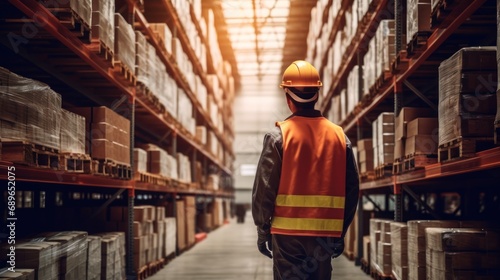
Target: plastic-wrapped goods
x,y
93,257
353,89
29,111
19,274
399,250
184,165
113,255
383,138
170,236
72,133
158,161
418,18
140,160
81,8
467,94
42,256
124,42
141,69
103,22
72,253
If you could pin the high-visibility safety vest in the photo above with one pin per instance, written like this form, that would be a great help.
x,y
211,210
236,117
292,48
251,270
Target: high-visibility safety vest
x,y
311,193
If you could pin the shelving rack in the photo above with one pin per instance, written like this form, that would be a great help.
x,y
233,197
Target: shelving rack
x,y
413,81
34,43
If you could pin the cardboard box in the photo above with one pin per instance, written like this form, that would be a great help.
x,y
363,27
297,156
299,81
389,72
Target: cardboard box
x,y
140,214
181,224
366,166
366,155
102,149
462,239
422,126
408,114
365,144
421,144
399,148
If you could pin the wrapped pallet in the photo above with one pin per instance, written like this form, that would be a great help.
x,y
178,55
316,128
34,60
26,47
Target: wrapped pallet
x,y
93,257
383,139
103,22
140,160
462,253
124,43
467,94
112,255
29,111
399,250
72,253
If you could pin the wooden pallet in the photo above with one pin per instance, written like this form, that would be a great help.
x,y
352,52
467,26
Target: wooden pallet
x,y
77,163
413,162
367,176
26,153
150,178
113,169
72,20
98,47
463,148
383,170
418,43
124,72
150,269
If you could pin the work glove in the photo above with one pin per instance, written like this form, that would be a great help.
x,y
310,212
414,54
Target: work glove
x,y
264,242
338,247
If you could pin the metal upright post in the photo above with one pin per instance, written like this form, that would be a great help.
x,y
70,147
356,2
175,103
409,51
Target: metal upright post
x,y
398,16
131,274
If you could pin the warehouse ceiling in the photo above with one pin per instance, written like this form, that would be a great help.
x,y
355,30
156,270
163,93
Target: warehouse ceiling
x,y
260,38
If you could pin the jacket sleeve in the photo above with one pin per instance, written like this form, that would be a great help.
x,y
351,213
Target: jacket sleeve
x,y
267,180
352,187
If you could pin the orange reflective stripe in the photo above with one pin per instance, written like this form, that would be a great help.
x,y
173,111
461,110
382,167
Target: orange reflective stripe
x,y
324,201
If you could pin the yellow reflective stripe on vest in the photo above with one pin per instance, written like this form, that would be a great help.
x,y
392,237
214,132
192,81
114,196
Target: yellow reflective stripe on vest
x,y
323,201
308,224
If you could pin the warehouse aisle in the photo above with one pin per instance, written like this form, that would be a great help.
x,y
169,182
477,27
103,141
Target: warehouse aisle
x,y
230,253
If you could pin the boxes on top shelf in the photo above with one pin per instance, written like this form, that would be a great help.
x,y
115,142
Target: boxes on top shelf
x,y
163,32
103,22
418,18
124,43
459,113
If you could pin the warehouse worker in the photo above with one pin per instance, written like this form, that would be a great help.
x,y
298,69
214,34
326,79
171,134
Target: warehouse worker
x,y
306,187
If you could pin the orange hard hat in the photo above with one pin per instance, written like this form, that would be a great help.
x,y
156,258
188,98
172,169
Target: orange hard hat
x,y
300,74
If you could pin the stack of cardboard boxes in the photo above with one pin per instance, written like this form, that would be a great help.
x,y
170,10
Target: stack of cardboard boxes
x,y
365,156
399,252
108,134
383,139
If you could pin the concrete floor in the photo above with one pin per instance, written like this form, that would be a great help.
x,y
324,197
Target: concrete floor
x,y
230,252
